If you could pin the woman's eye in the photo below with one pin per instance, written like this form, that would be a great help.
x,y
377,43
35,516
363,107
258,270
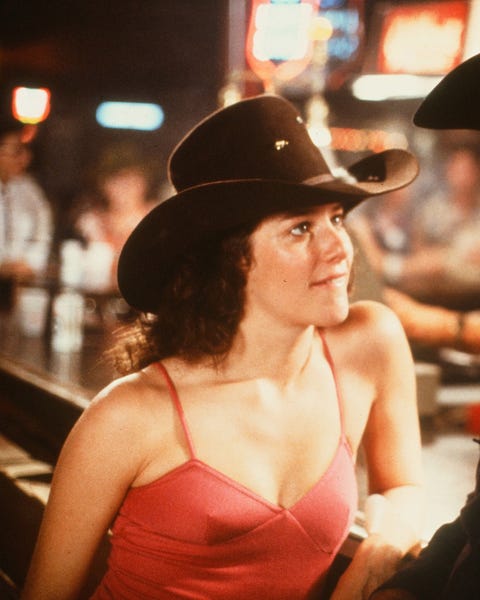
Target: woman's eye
x,y
300,229
338,219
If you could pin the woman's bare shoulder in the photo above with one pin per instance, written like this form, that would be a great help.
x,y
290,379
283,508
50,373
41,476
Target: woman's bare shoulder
x,y
371,329
372,316
129,403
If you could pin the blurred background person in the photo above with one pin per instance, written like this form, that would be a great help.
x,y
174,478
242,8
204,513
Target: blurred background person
x,y
429,246
394,261
386,234
450,220
26,220
102,218
454,203
429,327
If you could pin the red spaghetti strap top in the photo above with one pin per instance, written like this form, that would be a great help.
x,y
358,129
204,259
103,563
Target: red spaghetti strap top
x,y
178,406
195,533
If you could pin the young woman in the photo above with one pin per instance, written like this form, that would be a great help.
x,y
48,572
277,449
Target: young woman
x,y
225,458
120,198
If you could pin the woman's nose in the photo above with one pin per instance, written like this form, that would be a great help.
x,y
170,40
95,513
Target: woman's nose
x,y
333,244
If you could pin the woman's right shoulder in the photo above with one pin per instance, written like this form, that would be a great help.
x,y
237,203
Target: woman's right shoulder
x,y
130,402
128,424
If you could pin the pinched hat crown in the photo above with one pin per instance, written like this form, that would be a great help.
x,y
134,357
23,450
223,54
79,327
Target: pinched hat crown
x,y
259,138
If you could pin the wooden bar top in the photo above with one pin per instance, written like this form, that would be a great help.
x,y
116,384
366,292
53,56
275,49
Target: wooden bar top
x,y
75,375
43,392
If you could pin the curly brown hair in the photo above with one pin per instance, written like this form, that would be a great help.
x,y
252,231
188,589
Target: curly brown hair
x,y
201,306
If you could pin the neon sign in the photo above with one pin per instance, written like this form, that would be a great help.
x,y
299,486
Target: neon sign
x,y
31,105
143,116
423,39
279,44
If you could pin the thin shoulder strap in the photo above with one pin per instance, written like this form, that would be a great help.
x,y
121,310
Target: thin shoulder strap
x,y
178,406
337,388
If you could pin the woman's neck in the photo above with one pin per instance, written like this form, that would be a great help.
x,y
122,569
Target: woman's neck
x,y
280,354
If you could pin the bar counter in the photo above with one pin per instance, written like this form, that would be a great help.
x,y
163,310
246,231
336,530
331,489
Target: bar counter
x,y
43,391
42,394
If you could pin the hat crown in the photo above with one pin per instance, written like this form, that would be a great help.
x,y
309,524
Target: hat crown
x,y
258,138
454,102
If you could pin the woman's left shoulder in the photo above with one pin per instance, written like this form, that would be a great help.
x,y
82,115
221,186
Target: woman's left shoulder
x,y
374,315
371,326
371,343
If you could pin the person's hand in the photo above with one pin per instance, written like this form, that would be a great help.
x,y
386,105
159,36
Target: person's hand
x,y
375,560
373,563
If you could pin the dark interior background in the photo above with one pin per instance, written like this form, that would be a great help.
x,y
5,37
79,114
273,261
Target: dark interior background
x,y
173,52
170,52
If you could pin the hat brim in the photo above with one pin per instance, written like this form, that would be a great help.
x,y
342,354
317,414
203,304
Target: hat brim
x,y
454,102
202,212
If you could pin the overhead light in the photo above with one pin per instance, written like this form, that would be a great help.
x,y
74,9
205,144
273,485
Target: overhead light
x,y
130,115
393,87
30,105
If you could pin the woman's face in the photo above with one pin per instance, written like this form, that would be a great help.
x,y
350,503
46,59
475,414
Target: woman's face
x,y
14,156
301,267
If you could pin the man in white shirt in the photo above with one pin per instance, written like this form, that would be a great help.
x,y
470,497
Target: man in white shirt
x,y
25,214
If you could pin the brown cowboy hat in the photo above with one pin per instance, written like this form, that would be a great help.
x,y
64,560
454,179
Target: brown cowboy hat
x,y
239,165
454,102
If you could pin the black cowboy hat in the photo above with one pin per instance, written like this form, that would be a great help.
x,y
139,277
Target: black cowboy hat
x,y
454,103
239,165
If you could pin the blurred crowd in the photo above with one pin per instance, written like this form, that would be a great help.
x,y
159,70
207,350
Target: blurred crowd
x,y
424,240
76,246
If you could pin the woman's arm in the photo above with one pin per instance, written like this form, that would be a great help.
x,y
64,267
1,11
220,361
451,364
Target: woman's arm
x,y
393,454
435,325
98,462
392,440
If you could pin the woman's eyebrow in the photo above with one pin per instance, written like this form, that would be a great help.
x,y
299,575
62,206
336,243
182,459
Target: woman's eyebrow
x,y
308,210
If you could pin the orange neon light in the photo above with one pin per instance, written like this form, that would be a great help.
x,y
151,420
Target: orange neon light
x,y
360,140
424,39
30,105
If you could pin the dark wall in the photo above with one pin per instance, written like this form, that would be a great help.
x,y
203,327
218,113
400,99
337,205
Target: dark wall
x,y
166,51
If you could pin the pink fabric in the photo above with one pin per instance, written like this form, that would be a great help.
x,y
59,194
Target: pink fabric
x,y
195,533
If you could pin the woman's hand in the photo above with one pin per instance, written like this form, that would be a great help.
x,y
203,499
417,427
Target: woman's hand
x,y
392,445
374,562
